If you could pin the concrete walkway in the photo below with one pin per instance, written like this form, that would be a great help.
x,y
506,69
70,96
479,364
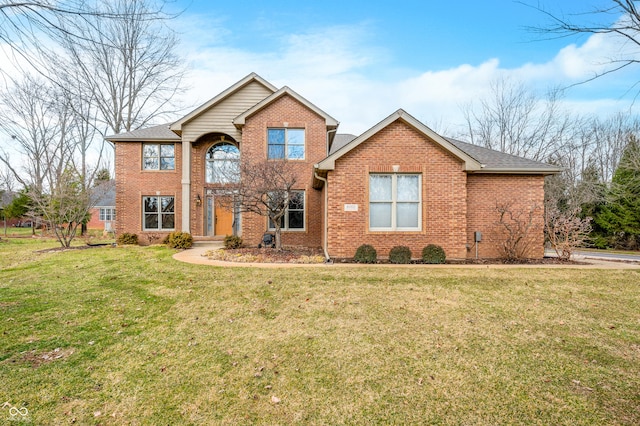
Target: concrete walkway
x,y
195,255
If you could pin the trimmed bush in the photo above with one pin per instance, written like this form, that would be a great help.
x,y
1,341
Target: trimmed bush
x,y
366,254
127,239
180,240
232,242
433,254
400,254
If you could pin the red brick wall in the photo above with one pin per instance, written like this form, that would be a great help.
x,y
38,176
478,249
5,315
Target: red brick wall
x,y
443,194
132,183
484,192
95,222
288,112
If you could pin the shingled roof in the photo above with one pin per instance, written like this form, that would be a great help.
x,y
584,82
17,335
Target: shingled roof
x,y
150,134
496,161
477,159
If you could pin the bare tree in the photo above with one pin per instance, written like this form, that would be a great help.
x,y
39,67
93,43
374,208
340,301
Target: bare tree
x,y
64,206
126,69
266,188
36,122
514,228
514,120
626,28
565,230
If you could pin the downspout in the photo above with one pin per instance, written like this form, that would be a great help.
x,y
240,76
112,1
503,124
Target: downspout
x,y
326,216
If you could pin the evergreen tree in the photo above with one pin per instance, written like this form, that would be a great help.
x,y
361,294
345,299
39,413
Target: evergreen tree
x,y
619,217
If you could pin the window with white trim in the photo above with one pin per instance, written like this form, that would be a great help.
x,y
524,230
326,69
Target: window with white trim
x,y
158,213
158,156
107,214
285,144
395,202
293,218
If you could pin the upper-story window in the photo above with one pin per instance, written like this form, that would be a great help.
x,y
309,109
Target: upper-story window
x,y
285,144
158,156
223,163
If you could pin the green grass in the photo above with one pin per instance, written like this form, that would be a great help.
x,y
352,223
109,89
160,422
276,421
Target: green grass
x,y
143,339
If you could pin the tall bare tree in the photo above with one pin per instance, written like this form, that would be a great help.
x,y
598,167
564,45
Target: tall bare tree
x,y
127,69
514,120
37,124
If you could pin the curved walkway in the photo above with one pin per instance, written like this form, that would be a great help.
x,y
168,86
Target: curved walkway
x,y
195,255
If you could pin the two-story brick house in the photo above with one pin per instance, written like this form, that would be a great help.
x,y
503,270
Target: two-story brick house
x,y
399,183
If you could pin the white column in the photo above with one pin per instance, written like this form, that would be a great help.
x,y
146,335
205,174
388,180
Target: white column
x,y
186,186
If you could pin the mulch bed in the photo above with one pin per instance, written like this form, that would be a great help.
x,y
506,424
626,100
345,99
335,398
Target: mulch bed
x,y
290,254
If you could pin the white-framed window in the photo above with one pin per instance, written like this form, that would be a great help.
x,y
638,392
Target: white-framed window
x,y
158,156
395,202
223,163
293,219
285,143
158,213
107,214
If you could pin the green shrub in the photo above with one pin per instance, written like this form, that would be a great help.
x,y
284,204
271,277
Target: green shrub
x,y
232,242
433,254
366,254
180,240
127,238
400,254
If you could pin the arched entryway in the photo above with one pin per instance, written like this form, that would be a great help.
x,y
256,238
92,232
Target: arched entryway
x,y
221,171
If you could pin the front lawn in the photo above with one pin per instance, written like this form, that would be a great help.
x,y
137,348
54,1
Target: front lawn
x,y
131,336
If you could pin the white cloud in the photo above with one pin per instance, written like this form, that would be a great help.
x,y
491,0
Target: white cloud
x,y
339,70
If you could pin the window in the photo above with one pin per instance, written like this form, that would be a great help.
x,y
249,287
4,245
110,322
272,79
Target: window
x,y
394,202
293,218
285,144
158,156
223,163
158,213
107,214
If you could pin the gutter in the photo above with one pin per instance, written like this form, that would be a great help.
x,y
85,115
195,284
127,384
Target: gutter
x,y
325,241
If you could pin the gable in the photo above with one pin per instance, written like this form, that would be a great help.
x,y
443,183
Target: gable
x,y
401,148
240,120
469,163
218,113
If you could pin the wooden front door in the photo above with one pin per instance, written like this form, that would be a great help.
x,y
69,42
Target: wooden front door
x,y
223,219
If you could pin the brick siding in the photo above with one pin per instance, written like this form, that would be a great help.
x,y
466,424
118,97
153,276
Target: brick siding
x,y
288,112
132,183
523,193
443,194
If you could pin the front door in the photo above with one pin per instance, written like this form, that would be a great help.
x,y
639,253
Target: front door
x,y
219,217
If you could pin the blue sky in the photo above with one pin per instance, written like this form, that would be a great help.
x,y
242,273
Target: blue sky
x,y
362,61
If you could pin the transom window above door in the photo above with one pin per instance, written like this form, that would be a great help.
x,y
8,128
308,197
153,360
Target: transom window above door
x,y
285,144
223,163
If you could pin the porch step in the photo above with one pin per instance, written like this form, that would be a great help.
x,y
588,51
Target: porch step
x,y
205,238
207,243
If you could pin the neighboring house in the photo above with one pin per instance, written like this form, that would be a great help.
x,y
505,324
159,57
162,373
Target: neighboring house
x,y
6,197
103,214
399,183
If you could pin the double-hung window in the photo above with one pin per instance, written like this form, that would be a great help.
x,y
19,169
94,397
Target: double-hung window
x,y
395,202
285,144
293,218
107,214
158,213
158,156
